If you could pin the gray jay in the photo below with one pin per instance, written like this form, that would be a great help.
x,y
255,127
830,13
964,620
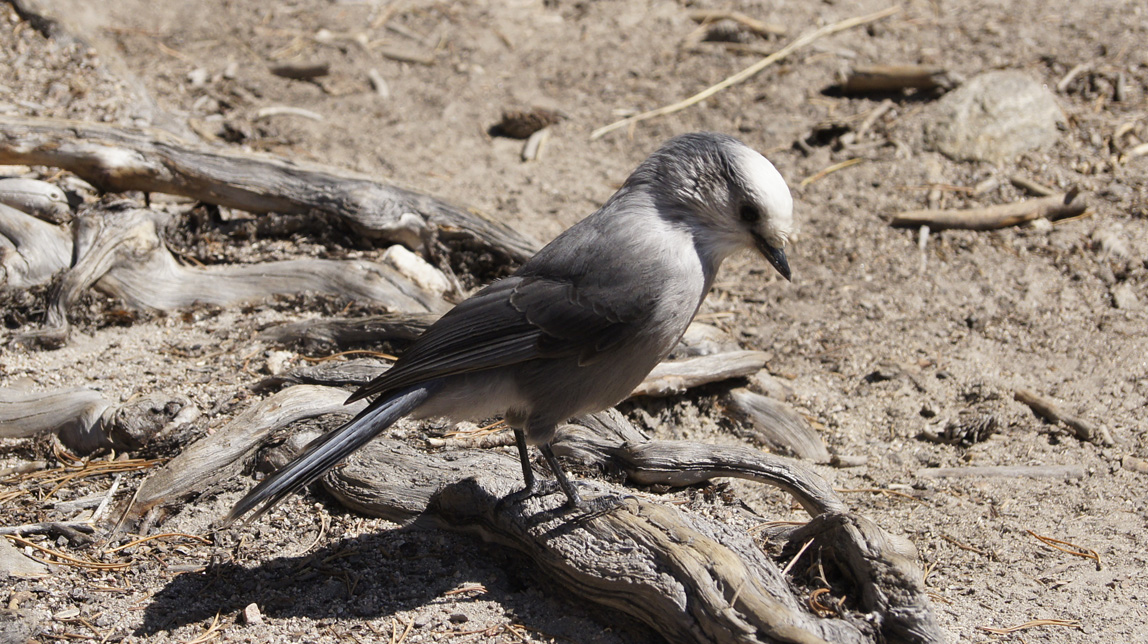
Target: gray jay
x,y
576,328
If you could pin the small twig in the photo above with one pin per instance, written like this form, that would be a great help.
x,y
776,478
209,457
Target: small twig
x,y
1031,186
1051,412
1033,624
831,169
748,72
281,110
1063,83
402,55
467,589
1069,548
963,546
895,78
758,27
789,566
103,507
993,217
26,467
396,637
211,633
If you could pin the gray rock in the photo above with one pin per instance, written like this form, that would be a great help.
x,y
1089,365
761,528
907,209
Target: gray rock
x,y
994,117
1124,298
14,563
17,626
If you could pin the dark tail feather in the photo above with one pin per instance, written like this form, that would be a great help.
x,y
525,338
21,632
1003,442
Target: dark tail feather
x,y
328,450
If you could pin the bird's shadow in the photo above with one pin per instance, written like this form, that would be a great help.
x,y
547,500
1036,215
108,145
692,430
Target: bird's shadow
x,y
370,576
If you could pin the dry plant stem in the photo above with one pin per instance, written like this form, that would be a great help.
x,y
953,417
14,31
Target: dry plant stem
x,y
1050,411
1029,625
993,217
120,159
1031,186
749,72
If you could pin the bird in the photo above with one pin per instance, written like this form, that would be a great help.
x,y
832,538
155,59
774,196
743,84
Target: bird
x,y
579,325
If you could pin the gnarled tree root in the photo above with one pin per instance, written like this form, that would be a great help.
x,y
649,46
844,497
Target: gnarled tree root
x,y
84,420
119,159
119,251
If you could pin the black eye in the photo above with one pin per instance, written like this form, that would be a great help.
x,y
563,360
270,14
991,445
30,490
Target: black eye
x,y
749,213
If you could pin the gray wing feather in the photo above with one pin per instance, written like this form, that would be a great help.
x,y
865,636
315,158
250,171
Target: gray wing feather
x,y
512,321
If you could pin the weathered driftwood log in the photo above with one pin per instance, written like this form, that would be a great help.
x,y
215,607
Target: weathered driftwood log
x,y
119,251
222,455
119,159
675,376
1052,208
894,78
346,373
333,334
40,199
84,420
31,250
668,378
777,425
688,578
692,579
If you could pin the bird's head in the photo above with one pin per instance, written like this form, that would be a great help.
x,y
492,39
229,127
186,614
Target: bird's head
x,y
729,194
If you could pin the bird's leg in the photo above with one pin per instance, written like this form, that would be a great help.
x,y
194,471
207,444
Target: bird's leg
x,y
527,471
573,500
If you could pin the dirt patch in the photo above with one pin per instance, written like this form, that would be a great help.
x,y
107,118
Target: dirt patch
x,y
879,337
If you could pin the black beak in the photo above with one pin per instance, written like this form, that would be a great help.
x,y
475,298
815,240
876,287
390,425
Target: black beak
x,y
776,256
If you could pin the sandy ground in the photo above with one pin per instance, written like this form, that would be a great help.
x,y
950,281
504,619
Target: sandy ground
x,y
879,338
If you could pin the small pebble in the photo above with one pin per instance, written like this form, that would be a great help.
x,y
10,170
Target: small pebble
x,y
251,614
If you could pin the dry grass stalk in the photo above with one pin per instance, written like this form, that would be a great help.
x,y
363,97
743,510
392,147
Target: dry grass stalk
x,y
749,72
